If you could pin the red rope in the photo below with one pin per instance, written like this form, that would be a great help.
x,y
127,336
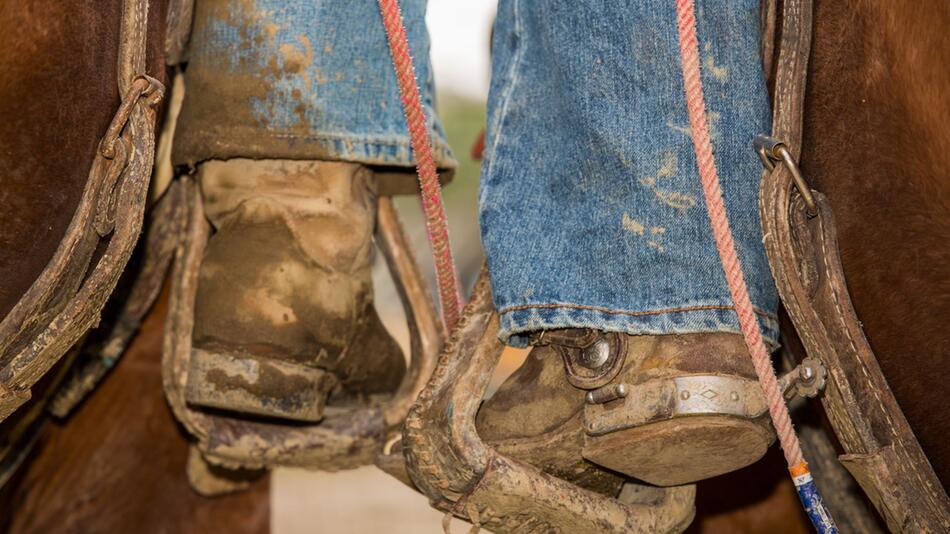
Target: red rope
x,y
430,192
716,209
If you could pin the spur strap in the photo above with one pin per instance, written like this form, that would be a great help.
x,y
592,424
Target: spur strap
x,y
881,451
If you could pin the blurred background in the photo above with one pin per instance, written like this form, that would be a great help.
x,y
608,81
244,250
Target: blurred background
x,y
367,500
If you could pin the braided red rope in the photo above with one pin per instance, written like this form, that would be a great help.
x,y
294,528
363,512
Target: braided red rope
x,y
716,209
719,220
430,192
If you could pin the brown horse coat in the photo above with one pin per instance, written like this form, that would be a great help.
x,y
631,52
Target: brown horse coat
x,y
57,96
118,464
877,135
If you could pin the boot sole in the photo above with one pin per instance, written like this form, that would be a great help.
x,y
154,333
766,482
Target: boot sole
x,y
681,450
258,386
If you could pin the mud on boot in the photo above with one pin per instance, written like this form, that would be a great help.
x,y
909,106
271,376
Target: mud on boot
x,y
283,313
667,410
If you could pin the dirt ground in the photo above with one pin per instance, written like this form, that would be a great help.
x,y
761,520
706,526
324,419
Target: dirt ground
x,y
350,502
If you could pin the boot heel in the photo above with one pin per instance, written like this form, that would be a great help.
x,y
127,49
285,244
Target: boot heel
x,y
259,386
678,430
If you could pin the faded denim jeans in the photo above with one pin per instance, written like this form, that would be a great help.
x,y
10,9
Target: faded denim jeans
x,y
592,213
591,209
303,79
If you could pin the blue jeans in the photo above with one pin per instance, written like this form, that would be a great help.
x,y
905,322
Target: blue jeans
x,y
592,213
301,79
591,209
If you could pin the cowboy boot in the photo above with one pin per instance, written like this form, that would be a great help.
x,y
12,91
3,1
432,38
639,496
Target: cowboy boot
x,y
283,313
667,410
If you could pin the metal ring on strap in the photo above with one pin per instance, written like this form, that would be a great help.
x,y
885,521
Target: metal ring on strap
x,y
771,150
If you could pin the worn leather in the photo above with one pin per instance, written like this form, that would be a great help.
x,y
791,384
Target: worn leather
x,y
464,474
881,450
57,96
66,297
286,278
537,415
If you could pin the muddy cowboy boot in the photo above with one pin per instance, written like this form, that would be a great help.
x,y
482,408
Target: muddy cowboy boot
x,y
273,352
284,313
491,462
667,410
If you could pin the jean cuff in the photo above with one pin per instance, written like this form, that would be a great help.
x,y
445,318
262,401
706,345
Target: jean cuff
x,y
517,322
194,146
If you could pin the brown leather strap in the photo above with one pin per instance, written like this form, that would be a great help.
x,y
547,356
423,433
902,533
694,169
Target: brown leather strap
x,y
881,450
67,298
166,219
180,17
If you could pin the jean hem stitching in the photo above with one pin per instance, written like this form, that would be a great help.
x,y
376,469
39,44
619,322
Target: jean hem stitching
x,y
612,311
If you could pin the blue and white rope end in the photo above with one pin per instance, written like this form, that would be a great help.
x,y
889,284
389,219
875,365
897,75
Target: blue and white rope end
x,y
811,500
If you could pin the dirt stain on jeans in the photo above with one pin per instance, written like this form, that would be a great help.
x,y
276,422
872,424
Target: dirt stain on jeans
x,y
297,59
668,168
720,73
654,237
632,225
